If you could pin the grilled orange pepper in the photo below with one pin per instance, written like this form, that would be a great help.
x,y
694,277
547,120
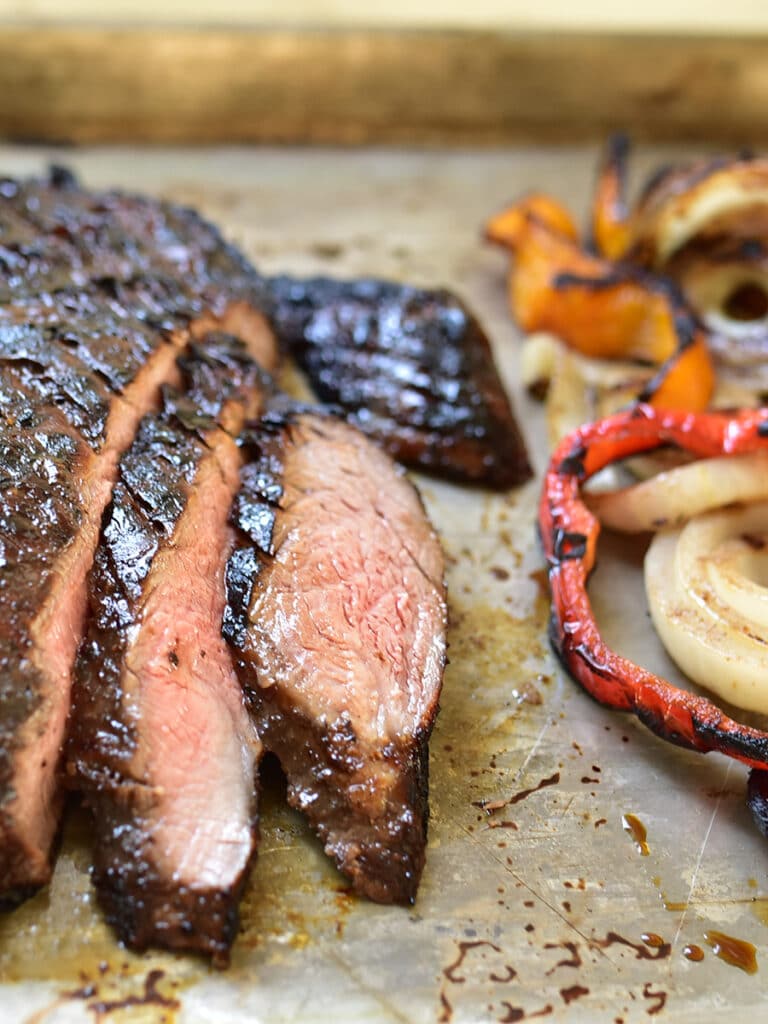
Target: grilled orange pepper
x,y
686,380
611,227
508,226
557,286
601,308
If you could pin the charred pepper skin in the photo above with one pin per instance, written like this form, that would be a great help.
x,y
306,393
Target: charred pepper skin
x,y
569,533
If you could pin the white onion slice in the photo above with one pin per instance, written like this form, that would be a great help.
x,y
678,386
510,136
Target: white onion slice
x,y
579,388
672,497
707,593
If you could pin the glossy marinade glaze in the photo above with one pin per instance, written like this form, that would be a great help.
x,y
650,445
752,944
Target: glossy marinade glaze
x,y
160,739
100,292
411,368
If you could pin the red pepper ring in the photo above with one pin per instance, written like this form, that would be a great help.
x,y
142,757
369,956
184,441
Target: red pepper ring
x,y
569,532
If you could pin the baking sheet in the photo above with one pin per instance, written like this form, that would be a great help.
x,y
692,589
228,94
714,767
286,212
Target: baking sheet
x,y
536,911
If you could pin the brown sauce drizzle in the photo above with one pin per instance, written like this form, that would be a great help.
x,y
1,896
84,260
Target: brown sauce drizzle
x,y
660,997
573,961
642,952
464,948
636,829
511,974
735,952
446,1010
693,952
569,995
513,1014
495,805
150,997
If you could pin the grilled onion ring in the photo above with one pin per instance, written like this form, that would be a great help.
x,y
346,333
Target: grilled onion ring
x,y
672,497
703,199
706,591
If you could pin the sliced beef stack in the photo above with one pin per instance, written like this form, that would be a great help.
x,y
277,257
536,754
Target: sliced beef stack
x,y
101,292
133,351
336,609
412,368
160,740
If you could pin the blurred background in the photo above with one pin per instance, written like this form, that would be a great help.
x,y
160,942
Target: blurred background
x,y
653,15
341,72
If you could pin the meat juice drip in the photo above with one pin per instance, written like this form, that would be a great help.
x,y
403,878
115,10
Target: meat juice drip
x,y
636,829
693,952
652,939
735,952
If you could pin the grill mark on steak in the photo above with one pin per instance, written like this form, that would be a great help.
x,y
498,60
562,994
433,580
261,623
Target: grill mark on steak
x,y
336,613
79,367
51,515
161,741
411,368
55,235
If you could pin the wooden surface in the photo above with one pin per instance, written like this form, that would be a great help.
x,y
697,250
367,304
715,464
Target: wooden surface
x,y
354,86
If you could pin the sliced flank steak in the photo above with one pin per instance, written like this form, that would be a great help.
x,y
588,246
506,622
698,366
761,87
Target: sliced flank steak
x,y
411,368
336,614
160,740
85,347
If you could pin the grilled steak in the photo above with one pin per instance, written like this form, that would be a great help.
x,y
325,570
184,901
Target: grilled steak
x,y
336,613
100,292
160,740
411,368
56,235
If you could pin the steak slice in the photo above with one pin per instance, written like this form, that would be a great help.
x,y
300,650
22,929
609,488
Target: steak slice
x,y
57,466
336,613
411,368
79,367
160,738
56,235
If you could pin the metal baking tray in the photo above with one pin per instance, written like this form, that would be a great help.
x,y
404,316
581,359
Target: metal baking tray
x,y
538,909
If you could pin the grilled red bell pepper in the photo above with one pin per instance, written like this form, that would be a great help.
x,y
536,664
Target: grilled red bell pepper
x,y
569,534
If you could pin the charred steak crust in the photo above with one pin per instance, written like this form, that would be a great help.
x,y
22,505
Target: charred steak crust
x,y
355,756
55,235
145,891
99,291
411,368
39,511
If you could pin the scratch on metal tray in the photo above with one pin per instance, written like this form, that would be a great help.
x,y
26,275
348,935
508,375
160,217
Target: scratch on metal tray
x,y
567,807
535,746
700,858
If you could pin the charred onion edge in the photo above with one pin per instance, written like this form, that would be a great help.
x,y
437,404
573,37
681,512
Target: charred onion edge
x,y
568,533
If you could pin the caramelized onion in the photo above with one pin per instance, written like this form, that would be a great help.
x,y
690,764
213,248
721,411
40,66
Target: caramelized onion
x,y
672,497
706,588
705,199
578,388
